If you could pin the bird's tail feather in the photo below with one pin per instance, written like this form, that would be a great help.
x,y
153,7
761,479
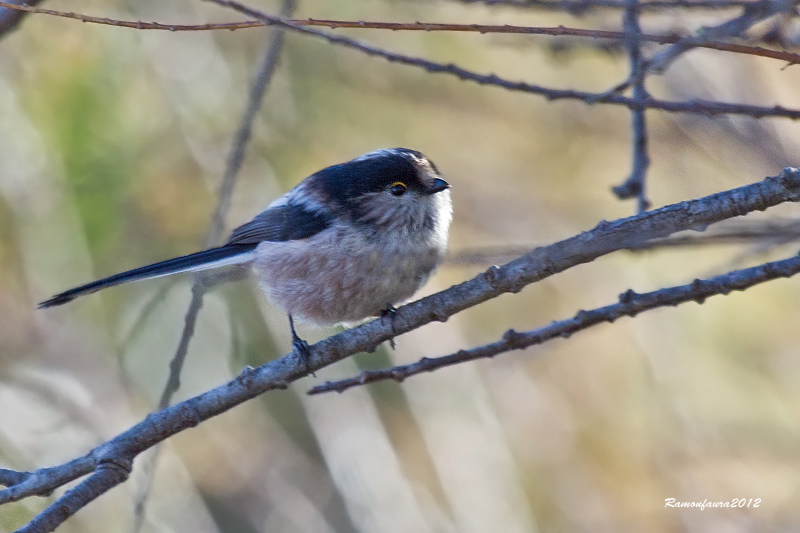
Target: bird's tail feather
x,y
216,257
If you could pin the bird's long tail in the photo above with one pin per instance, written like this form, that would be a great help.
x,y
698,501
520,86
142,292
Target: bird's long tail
x,y
207,259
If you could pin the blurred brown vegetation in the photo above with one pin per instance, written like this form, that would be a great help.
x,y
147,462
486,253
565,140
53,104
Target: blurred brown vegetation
x,y
112,144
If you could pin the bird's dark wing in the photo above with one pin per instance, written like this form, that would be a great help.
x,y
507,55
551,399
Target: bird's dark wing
x,y
286,222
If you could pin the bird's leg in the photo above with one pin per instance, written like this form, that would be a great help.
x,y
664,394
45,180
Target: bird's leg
x,y
301,347
389,313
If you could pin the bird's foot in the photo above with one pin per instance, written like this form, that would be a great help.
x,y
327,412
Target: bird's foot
x,y
389,313
301,347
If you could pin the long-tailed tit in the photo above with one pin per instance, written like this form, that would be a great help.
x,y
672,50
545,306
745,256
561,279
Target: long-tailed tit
x,y
347,243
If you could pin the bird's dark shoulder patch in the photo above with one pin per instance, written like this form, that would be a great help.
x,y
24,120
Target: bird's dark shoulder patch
x,y
286,222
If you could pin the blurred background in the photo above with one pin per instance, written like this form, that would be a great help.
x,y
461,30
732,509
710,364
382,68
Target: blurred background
x,y
112,146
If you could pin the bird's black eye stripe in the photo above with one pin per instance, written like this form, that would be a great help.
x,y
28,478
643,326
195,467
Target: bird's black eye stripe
x,y
398,188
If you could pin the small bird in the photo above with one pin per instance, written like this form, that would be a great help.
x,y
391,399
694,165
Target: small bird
x,y
348,243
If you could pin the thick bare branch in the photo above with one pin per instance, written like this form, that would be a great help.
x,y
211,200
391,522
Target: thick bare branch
x,y
109,464
605,238
107,475
43,481
12,477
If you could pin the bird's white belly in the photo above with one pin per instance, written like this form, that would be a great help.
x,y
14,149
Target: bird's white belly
x,y
329,284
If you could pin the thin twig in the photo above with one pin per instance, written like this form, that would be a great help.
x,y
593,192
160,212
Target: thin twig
x,y
176,365
630,304
697,106
558,31
579,7
605,238
234,165
752,14
265,73
171,386
634,186
147,309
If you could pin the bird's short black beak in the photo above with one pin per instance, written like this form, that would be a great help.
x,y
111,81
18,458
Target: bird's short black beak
x,y
438,185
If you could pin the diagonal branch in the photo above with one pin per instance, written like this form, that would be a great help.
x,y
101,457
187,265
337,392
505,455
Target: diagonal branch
x,y
697,106
43,481
265,74
752,13
106,476
605,238
266,71
235,160
630,304
557,31
701,107
578,7
12,477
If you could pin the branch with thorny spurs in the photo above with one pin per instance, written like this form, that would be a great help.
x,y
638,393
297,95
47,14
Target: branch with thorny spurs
x,y
752,13
579,7
483,29
630,304
109,463
701,107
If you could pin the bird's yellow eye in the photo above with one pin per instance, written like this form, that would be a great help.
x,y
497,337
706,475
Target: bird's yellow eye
x,y
398,188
